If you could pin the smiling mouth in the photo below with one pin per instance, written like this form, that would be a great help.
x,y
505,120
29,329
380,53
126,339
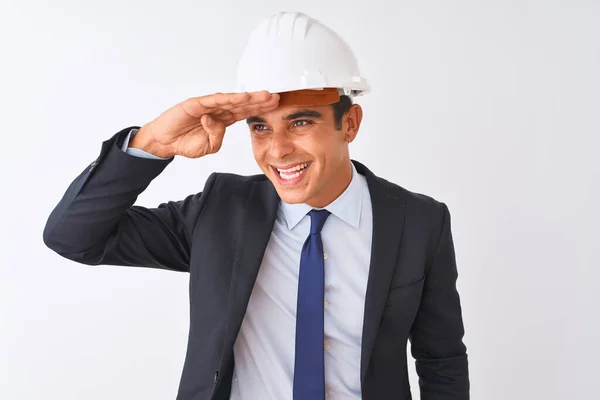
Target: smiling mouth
x,y
293,173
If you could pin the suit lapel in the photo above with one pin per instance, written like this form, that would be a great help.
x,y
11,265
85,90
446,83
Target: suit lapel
x,y
260,211
388,221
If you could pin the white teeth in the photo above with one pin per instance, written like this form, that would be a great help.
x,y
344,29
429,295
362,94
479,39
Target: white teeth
x,y
296,168
291,176
292,173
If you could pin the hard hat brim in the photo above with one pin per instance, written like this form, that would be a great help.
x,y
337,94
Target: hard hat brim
x,y
309,97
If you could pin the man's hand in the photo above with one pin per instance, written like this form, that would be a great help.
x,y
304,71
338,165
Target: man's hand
x,y
195,127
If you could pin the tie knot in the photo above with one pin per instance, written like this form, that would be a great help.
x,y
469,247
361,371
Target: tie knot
x,y
317,220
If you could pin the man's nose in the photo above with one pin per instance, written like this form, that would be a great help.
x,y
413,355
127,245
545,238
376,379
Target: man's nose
x,y
281,145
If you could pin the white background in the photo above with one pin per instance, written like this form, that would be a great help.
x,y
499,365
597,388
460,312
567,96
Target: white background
x,y
489,106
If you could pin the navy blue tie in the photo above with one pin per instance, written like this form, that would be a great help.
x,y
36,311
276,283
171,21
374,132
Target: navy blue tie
x,y
309,368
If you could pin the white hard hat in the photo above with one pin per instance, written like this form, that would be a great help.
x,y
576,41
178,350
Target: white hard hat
x,y
291,51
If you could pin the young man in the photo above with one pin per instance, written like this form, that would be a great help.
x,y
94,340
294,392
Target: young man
x,y
307,281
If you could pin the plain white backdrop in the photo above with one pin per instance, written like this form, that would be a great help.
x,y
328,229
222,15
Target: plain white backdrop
x,y
490,106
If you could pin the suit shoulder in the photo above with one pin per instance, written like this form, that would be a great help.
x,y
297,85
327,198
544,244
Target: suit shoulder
x,y
424,213
414,201
419,204
228,177
412,197
233,184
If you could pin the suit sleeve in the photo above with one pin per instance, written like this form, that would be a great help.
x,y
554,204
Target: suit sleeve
x,y
437,333
96,221
137,152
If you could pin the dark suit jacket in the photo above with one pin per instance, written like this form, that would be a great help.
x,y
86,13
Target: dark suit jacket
x,y
219,236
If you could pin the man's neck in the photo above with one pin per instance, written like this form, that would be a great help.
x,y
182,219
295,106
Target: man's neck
x,y
335,188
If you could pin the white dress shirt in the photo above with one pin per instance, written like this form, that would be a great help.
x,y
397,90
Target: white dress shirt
x,y
265,347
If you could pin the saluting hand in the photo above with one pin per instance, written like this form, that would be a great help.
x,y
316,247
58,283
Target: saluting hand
x,y
195,127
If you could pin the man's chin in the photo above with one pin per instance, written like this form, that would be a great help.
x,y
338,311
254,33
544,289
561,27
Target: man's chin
x,y
291,198
291,195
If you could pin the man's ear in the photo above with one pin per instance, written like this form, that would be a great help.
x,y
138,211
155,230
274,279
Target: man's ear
x,y
353,118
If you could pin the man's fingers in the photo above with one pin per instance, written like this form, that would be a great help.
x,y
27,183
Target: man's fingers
x,y
198,106
270,104
223,99
237,104
240,113
214,127
229,100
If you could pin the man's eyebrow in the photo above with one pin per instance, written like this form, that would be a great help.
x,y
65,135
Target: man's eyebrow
x,y
296,115
255,119
304,114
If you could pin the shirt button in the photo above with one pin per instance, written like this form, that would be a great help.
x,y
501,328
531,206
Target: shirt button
x,y
326,303
327,346
325,255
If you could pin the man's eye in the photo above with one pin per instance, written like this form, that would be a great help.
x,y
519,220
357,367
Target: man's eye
x,y
302,122
259,127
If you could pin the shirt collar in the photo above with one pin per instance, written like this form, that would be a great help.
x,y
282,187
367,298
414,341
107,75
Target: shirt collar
x,y
346,207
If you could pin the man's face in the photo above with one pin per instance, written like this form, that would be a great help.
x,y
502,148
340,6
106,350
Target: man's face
x,y
302,153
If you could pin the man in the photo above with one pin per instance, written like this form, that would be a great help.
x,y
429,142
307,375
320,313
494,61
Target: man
x,y
307,281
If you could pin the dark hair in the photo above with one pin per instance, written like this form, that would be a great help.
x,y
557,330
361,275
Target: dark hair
x,y
339,109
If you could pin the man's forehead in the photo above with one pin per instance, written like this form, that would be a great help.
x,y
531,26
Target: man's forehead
x,y
313,103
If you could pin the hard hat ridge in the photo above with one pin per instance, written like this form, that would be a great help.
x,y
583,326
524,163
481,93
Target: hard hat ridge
x,y
291,51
